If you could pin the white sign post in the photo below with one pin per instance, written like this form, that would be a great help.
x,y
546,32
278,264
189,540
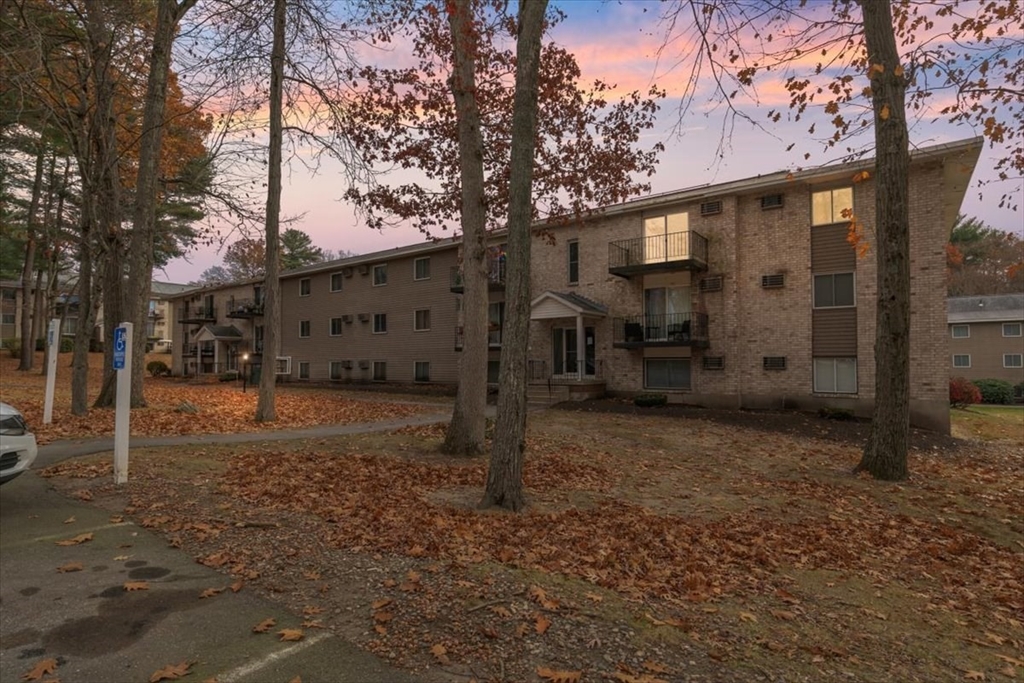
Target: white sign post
x,y
122,411
52,347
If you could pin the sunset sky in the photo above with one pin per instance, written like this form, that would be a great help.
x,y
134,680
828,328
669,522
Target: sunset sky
x,y
618,42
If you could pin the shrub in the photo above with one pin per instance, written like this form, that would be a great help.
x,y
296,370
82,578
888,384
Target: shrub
x,y
157,368
67,345
1018,391
229,376
650,400
997,391
835,413
962,392
13,347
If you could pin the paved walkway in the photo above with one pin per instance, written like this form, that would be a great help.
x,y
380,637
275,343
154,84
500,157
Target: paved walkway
x,y
98,631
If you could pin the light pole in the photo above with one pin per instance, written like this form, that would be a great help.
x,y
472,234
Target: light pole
x,y
245,374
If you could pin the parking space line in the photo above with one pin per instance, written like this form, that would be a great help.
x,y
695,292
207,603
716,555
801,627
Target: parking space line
x,y
263,662
71,531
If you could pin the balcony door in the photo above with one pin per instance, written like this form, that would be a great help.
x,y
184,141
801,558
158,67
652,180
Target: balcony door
x,y
665,238
566,356
666,311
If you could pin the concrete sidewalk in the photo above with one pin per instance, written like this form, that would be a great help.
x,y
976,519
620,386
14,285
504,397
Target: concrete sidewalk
x,y
99,632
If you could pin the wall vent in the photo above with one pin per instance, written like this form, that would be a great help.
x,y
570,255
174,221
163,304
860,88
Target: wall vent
x,y
713,362
364,317
346,364
711,284
771,201
774,362
364,365
347,271
773,281
711,208
364,269
347,318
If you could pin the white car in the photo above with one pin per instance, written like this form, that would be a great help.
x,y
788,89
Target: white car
x,y
17,444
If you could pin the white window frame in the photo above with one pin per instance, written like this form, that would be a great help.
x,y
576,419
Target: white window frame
x,y
835,375
341,279
330,327
835,218
415,264
1018,356
1019,327
309,329
287,365
953,329
569,261
962,355
303,369
415,368
335,365
380,268
373,370
814,290
383,318
305,286
416,322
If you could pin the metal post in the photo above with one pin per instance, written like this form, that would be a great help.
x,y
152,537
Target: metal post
x,y
52,348
122,410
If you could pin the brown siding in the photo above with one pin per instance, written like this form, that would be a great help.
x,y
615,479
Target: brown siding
x,y
830,252
986,347
835,332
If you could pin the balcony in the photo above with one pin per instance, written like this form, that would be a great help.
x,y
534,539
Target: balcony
x,y
197,315
686,250
673,329
495,276
493,337
244,308
189,349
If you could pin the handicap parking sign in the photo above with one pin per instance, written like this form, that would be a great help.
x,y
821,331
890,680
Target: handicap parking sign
x,y
120,344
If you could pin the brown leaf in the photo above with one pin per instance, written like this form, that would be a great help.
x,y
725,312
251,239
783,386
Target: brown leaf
x,y
785,615
555,676
116,519
70,520
974,676
417,551
42,668
594,597
500,610
310,610
380,629
440,652
312,623
210,592
1011,660
390,583
80,538
297,679
264,626
291,634
655,667
121,558
747,616
1008,671
624,677
70,567
136,585
237,586
380,604
541,623
171,672
382,616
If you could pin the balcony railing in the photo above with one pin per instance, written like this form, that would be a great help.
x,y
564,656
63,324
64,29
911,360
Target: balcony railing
x,y
686,250
495,276
493,338
189,349
244,308
538,371
673,329
197,314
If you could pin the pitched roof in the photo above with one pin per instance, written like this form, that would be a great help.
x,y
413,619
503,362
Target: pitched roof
x,y
580,304
164,289
223,332
985,308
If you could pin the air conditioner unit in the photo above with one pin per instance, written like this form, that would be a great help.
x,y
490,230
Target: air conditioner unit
x,y
771,201
711,208
346,364
364,365
347,271
346,318
773,281
364,269
364,317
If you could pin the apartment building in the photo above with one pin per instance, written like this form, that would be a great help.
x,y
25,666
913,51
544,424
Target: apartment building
x,y
746,294
216,329
158,327
986,337
10,309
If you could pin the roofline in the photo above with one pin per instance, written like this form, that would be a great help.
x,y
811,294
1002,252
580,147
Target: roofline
x,y
957,318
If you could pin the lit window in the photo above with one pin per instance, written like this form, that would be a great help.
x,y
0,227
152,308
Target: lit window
x,y
832,206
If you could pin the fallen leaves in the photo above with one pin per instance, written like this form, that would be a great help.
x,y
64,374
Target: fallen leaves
x,y
70,520
77,540
557,676
440,653
291,634
264,626
70,567
136,586
43,667
541,623
210,592
171,672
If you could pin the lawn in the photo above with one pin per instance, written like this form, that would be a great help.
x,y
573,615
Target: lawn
x,y
988,422
654,549
222,407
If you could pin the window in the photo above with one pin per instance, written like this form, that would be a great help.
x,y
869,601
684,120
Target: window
x,y
961,360
336,279
69,326
421,371
335,327
257,294
335,369
283,365
1011,329
961,331
304,328
380,274
305,286
9,294
493,371
421,268
835,375
666,312
380,371
421,320
1013,360
833,291
663,238
667,373
151,329
495,322
380,323
574,261
831,206
8,319
303,369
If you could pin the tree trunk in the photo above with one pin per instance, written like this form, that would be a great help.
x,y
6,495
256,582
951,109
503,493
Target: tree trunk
x,y
28,342
80,354
465,435
505,474
266,410
140,255
885,454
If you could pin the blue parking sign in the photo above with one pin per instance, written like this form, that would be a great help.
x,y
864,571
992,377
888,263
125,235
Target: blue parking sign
x,y
120,343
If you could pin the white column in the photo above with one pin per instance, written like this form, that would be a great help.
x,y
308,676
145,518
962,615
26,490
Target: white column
x,y
52,349
122,410
581,347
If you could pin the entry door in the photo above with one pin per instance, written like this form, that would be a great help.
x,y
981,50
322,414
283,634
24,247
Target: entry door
x,y
565,354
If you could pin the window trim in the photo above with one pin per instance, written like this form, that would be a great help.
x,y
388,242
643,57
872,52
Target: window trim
x,y
415,261
383,317
341,279
1020,329
1013,355
961,355
382,268
569,260
309,329
330,327
832,205
952,330
415,364
814,290
415,320
307,285
373,370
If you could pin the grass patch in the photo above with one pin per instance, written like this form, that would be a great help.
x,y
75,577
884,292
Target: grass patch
x,y
988,423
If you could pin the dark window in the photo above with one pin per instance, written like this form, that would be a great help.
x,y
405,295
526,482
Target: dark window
x,y
667,373
421,268
421,320
304,328
380,274
304,369
495,322
380,371
831,291
574,262
774,362
335,327
305,286
336,280
421,371
380,323
835,375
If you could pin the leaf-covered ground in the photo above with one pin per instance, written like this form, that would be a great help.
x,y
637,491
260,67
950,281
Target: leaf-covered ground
x,y
654,549
222,407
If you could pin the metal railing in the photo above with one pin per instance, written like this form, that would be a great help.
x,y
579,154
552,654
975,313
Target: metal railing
x,y
538,370
672,329
686,247
495,275
244,308
197,313
493,338
195,368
